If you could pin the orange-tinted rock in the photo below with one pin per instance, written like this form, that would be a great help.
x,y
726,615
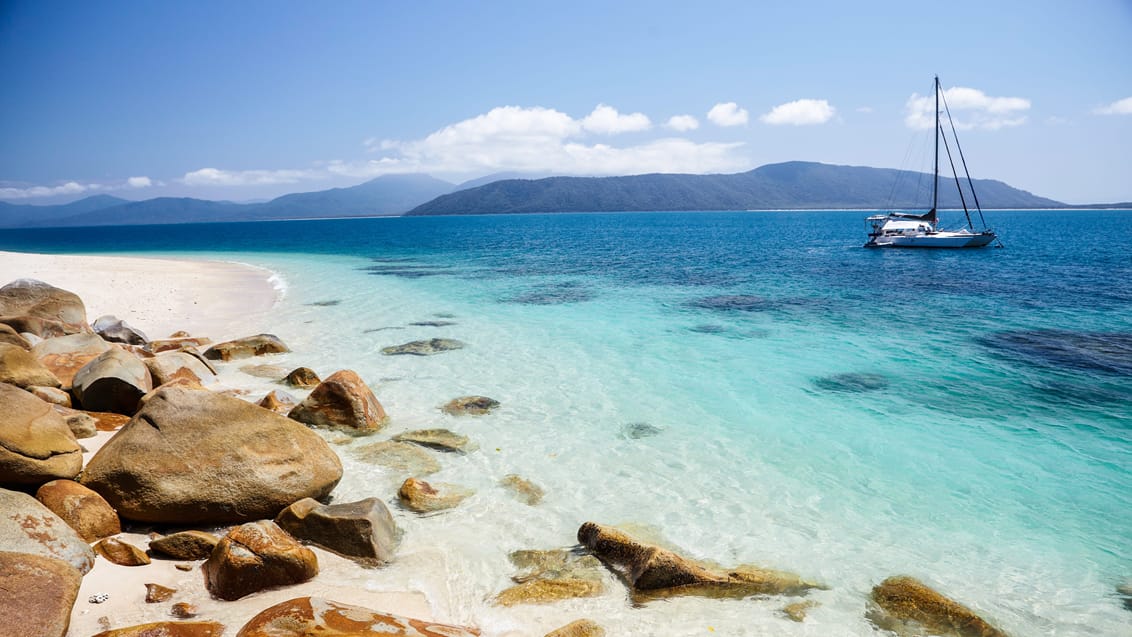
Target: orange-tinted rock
x,y
256,556
185,545
342,401
310,616
905,601
177,343
66,355
10,336
168,629
106,421
155,593
38,594
184,610
580,628
246,347
84,510
278,401
422,497
26,526
121,553
302,377
470,406
171,366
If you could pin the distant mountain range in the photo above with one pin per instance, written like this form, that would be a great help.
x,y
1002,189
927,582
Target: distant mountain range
x,y
791,185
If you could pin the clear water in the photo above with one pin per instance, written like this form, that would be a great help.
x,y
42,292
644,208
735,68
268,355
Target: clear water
x,y
984,444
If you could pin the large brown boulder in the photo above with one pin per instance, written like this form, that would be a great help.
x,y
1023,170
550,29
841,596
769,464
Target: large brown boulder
x,y
66,355
256,556
309,616
26,526
167,629
84,510
41,309
19,367
36,445
246,347
363,531
907,606
192,456
114,381
656,571
9,335
39,593
344,402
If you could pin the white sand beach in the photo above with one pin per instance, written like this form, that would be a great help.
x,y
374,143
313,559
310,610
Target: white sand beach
x,y
157,296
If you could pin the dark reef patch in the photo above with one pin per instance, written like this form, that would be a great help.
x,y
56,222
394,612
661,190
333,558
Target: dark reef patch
x,y
553,295
406,270
638,430
324,303
854,382
708,328
1109,352
432,323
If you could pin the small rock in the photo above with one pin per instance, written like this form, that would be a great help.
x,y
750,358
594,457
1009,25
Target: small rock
x,y
177,343
184,610
82,424
363,531
115,330
183,567
524,490
424,348
343,401
84,510
580,628
185,545
121,553
155,593
98,598
256,556
278,401
302,377
422,497
638,430
439,439
52,395
470,406
246,348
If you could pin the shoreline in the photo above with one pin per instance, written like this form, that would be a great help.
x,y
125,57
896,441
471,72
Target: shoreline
x,y
158,295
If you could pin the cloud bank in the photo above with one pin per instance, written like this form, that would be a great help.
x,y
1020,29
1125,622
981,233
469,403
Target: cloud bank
x,y
970,108
1119,107
800,113
72,188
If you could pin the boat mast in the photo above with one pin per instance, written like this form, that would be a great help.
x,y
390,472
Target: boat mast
x,y
935,182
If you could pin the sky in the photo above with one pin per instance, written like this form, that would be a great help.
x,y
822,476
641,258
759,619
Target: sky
x,y
250,100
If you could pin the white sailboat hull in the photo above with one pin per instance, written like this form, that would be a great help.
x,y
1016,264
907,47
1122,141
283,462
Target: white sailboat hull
x,y
934,240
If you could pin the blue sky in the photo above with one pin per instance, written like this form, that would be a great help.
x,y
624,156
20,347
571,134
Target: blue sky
x,y
249,100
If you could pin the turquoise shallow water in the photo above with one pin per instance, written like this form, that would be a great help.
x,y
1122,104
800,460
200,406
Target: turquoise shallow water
x,y
848,414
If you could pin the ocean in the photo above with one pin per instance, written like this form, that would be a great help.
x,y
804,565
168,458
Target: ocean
x,y
750,387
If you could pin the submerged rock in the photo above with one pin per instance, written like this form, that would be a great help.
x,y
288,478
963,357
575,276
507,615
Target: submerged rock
x,y
733,303
658,572
433,323
1109,352
422,497
470,406
906,606
580,628
271,372
797,611
329,303
401,458
438,439
562,293
638,430
246,347
309,616
524,490
424,348
854,382
551,575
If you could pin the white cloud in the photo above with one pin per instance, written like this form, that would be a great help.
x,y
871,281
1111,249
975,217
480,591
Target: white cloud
x,y
1119,107
605,120
682,123
538,139
139,182
800,113
727,114
30,192
217,177
970,108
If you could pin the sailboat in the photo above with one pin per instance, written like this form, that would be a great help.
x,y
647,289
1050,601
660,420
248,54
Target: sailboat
x,y
900,229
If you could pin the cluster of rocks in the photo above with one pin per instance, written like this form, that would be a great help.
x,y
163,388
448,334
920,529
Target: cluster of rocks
x,y
188,455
